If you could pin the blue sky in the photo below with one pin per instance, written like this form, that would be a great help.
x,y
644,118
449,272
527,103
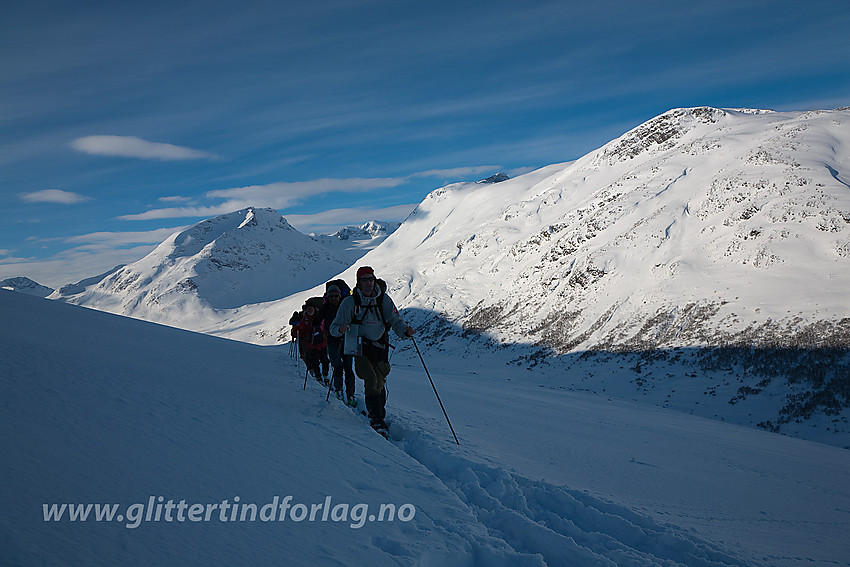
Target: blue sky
x,y
123,121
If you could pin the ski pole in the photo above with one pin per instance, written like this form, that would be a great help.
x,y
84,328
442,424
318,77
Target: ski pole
x,y
435,389
330,383
305,377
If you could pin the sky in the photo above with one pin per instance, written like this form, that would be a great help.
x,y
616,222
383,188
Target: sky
x,y
121,122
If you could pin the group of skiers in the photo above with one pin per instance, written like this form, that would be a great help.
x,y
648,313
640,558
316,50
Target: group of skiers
x,y
347,331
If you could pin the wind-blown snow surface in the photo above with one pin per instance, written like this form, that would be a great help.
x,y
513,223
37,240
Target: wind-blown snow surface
x,y
104,409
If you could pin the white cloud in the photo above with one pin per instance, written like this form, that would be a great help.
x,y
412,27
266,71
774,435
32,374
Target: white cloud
x,y
282,195
119,239
54,196
188,212
133,147
459,172
274,195
175,199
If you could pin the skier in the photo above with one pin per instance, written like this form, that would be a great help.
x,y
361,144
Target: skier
x,y
340,363
313,340
295,344
373,313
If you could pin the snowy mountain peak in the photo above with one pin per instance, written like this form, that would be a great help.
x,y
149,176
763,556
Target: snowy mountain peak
x,y
208,232
497,178
249,256
371,229
353,242
661,133
25,285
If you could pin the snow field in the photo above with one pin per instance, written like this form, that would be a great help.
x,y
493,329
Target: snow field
x,y
99,408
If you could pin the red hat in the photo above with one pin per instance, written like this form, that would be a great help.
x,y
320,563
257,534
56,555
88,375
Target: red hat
x,y
364,271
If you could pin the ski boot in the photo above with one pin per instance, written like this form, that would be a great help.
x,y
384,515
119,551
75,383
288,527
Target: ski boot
x,y
380,426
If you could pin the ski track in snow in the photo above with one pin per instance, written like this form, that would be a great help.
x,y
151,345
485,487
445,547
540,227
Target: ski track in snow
x,y
544,523
565,527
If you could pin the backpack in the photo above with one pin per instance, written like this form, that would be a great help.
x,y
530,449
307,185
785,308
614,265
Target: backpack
x,y
381,348
382,286
344,290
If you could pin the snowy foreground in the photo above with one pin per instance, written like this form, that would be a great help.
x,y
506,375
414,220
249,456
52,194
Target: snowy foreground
x,y
175,428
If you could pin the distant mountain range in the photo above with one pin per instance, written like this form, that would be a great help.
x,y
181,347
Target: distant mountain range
x,y
352,242
195,276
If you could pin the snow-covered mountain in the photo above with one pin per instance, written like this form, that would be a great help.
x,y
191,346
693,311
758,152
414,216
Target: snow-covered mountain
x,y
246,257
701,226
131,443
25,285
353,242
702,259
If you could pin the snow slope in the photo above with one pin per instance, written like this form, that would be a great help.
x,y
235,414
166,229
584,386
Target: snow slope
x,y
105,409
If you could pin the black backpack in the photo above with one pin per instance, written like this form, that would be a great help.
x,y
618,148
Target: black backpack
x,y
344,290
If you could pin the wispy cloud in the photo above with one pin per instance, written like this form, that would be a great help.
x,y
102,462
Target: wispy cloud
x,y
133,147
120,239
281,195
458,172
275,195
174,199
284,194
186,212
54,196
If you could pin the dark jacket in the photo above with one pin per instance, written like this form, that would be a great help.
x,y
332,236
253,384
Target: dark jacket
x,y
311,333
